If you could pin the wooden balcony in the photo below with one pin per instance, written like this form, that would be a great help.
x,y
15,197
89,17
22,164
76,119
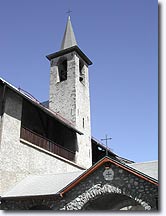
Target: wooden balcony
x,y
46,144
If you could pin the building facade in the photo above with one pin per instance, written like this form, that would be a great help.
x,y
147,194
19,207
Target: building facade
x,y
49,159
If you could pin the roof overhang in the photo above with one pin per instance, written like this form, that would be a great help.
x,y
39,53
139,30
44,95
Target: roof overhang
x,y
41,185
51,113
68,50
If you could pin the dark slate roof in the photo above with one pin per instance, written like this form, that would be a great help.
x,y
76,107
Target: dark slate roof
x,y
110,152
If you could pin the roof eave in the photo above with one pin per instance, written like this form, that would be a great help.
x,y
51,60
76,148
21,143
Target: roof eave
x,y
68,50
40,106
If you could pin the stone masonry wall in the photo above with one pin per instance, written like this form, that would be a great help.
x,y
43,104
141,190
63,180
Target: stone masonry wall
x,y
83,120
123,182
63,94
70,98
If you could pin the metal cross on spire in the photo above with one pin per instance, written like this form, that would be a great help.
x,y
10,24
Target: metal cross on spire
x,y
106,139
69,12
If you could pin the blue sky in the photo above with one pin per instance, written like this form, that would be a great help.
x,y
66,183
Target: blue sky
x,y
119,36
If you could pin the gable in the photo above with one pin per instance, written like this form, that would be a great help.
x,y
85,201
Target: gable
x,y
108,162
110,177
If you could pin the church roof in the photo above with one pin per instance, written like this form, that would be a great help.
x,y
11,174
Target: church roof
x,y
37,185
59,184
149,167
104,148
69,39
100,163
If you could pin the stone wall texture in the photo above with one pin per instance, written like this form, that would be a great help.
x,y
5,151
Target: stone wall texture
x,y
70,98
124,183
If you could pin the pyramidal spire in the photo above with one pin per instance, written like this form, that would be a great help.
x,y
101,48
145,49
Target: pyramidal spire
x,y
69,39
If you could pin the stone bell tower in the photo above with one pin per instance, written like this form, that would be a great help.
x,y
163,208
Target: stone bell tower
x,y
69,91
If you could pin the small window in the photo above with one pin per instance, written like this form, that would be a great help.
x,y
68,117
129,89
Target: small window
x,y
83,123
81,65
62,68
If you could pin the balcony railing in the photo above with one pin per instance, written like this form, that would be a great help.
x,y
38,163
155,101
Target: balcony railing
x,y
46,144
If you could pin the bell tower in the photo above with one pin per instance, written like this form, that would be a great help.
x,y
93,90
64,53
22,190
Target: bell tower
x,y
69,91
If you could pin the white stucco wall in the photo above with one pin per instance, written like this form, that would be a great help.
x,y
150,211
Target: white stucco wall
x,y
18,159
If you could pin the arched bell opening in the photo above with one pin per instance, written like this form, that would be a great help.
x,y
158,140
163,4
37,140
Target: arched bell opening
x,y
62,69
81,72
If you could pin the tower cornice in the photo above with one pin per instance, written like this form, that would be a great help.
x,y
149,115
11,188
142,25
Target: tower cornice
x,y
68,50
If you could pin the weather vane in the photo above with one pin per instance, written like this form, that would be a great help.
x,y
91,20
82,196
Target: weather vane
x,y
106,139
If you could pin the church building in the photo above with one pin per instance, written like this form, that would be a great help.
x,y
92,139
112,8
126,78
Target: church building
x,y
48,157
